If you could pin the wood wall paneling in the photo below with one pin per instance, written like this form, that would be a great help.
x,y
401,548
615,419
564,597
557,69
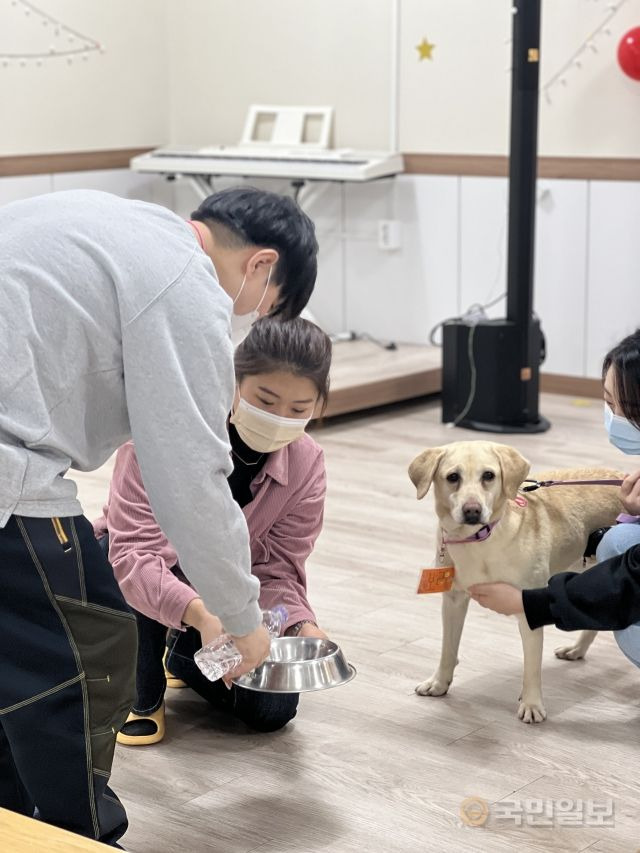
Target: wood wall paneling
x,y
68,161
587,168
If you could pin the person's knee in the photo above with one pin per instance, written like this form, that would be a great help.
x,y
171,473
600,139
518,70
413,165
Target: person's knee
x,y
264,725
103,542
629,642
271,718
617,540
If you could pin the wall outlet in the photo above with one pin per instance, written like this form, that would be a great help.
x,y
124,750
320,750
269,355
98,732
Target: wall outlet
x,y
389,235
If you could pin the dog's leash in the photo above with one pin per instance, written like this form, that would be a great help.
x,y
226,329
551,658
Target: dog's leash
x,y
541,484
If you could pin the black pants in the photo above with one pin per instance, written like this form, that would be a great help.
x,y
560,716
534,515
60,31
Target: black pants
x,y
66,675
264,712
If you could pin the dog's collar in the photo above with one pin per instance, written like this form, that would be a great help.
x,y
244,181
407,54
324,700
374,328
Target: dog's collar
x,y
478,536
484,532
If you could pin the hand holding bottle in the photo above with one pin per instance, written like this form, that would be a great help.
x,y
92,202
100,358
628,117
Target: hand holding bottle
x,y
230,657
253,648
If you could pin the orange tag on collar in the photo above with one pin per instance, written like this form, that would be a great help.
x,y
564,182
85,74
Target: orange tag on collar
x,y
436,580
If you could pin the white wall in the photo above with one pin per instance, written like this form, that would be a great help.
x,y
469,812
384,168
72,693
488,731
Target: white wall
x,y
118,99
186,71
118,181
459,102
193,74
228,54
612,304
453,254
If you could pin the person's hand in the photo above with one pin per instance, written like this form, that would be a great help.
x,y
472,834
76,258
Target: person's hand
x,y
501,597
254,648
197,616
309,630
630,493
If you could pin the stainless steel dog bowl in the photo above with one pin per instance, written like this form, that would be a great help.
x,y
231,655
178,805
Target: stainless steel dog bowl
x,y
299,665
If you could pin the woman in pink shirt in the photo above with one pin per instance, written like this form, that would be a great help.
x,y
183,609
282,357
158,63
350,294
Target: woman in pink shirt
x,y
282,375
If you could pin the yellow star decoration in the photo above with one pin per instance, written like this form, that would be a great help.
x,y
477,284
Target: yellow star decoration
x,y
425,49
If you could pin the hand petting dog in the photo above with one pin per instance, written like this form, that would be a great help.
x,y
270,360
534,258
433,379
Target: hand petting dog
x,y
507,599
501,597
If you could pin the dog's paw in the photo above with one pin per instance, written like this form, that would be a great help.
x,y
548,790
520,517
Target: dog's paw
x,y
434,686
532,712
576,652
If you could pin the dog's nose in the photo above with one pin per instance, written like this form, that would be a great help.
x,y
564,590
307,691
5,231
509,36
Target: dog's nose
x,y
471,512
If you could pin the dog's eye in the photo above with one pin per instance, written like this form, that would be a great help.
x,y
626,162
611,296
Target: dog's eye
x,y
453,477
488,476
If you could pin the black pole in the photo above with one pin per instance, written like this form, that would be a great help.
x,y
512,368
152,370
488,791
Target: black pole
x,y
522,176
490,370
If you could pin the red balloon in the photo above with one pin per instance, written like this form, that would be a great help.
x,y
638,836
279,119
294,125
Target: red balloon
x,y
629,53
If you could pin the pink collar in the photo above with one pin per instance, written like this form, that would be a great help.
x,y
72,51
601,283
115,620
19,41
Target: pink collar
x,y
478,536
198,234
484,532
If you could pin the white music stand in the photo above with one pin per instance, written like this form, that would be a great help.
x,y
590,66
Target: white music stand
x,y
303,128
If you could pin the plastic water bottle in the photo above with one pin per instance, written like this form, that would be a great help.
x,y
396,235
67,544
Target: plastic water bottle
x,y
221,655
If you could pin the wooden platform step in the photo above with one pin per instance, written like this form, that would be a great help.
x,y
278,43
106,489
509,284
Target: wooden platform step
x,y
364,375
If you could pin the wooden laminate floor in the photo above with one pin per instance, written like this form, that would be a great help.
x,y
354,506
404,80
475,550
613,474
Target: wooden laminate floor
x,y
371,767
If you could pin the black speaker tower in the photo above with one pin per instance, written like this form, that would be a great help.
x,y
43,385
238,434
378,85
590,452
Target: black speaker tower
x,y
491,369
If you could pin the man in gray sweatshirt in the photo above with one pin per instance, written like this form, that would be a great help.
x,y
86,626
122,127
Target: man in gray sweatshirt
x,y
115,322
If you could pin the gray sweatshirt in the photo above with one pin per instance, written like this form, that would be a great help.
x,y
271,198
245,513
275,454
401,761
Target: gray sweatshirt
x,y
113,325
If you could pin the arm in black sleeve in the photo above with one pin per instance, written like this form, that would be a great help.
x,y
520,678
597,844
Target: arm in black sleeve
x,y
604,598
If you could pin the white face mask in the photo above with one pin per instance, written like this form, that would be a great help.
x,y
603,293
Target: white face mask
x,y
264,432
241,323
622,433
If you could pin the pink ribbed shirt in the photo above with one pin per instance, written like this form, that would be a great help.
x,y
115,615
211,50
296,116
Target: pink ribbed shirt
x,y
284,520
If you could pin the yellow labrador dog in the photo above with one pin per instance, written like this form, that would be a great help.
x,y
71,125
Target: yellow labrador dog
x,y
476,484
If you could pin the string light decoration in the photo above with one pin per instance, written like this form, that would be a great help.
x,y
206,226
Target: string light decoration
x,y
66,43
576,60
588,47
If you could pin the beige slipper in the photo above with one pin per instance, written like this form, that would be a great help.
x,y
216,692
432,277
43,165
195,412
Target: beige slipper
x,y
157,722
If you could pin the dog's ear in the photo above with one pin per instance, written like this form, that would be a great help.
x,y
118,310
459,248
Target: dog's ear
x,y
423,469
514,468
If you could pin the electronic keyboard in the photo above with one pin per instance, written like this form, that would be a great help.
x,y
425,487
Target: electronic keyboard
x,y
340,164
